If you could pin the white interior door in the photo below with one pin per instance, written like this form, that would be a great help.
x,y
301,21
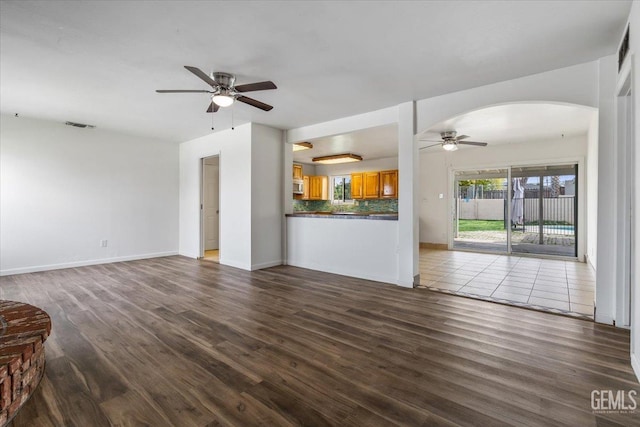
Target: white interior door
x,y
211,207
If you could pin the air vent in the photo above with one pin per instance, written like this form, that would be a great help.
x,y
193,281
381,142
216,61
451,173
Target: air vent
x,y
624,49
79,125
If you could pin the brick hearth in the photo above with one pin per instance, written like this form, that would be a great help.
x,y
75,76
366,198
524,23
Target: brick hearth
x,y
23,330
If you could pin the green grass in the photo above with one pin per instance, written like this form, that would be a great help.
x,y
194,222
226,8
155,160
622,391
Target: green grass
x,y
480,225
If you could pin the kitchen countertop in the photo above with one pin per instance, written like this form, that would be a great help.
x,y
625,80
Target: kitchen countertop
x,y
393,216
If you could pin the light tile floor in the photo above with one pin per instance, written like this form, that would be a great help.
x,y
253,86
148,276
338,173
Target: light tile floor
x,y
555,285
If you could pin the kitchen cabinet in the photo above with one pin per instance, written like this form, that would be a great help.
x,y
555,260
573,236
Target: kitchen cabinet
x,y
389,184
297,171
356,186
305,188
371,185
318,187
374,185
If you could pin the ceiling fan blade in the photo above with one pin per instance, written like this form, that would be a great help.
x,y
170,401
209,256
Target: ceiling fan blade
x,y
431,140
213,108
429,146
255,103
256,86
198,72
479,144
458,138
182,91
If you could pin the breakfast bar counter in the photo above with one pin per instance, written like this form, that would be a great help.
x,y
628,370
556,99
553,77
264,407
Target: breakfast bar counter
x,y
393,216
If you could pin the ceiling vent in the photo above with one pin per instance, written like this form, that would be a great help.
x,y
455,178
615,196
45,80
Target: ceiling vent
x,y
79,125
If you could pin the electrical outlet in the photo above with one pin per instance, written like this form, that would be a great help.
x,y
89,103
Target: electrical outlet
x,y
103,243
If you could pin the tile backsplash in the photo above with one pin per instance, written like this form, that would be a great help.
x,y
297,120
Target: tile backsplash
x,y
375,205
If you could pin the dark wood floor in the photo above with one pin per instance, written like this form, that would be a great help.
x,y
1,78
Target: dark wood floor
x,y
178,342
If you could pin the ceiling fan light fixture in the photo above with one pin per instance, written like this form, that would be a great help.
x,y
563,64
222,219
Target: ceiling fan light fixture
x,y
337,158
299,146
222,99
450,146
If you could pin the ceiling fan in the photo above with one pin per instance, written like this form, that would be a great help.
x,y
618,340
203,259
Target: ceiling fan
x,y
450,141
224,91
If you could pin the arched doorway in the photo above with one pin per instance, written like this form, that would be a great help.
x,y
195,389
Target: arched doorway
x,y
539,153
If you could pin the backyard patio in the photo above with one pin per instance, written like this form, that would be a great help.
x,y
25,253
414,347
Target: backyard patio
x,y
491,236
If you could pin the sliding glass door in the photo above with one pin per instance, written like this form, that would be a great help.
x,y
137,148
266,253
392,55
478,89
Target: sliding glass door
x,y
480,211
528,209
544,210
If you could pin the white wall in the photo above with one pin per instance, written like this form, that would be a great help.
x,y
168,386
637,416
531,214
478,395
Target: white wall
x,y
266,196
576,85
634,19
605,274
388,163
344,125
362,248
592,192
64,189
436,166
234,148
250,195
307,169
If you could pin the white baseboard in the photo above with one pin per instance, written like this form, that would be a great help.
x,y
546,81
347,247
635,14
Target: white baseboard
x,y
262,265
344,272
37,268
635,364
590,263
240,265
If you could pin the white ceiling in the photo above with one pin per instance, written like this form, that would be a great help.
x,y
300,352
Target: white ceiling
x,y
502,124
514,123
372,143
100,62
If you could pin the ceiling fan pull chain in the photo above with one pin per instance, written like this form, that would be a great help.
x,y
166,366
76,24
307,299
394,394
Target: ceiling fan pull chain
x,y
232,128
211,121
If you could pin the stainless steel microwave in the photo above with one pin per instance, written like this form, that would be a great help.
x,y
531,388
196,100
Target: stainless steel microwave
x,y
298,186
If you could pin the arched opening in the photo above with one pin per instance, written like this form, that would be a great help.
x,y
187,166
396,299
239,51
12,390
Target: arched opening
x,y
527,192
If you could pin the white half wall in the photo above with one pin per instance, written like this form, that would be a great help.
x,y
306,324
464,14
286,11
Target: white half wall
x,y
361,248
63,190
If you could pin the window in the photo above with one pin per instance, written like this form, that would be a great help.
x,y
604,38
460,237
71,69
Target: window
x,y
341,189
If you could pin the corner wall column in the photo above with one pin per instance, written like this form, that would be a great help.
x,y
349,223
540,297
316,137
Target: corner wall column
x,y
408,215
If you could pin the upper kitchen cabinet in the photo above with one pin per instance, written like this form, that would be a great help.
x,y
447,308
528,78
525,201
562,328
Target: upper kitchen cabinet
x,y
297,171
371,187
305,187
374,185
318,188
389,184
356,186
